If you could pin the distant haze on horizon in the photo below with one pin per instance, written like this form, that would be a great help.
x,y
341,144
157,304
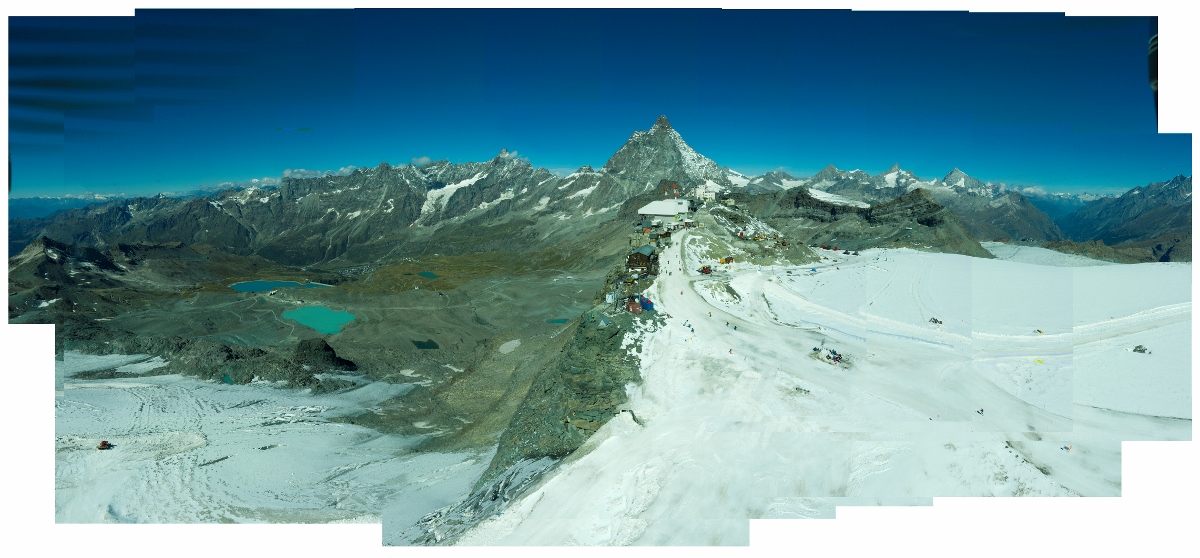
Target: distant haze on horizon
x,y
177,100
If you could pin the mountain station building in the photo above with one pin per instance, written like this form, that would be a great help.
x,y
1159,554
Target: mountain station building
x,y
666,210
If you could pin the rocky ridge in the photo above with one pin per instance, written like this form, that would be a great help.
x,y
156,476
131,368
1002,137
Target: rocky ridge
x,y
989,211
1140,214
915,220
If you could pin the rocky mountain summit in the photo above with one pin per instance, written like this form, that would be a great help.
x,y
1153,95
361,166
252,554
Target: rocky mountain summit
x,y
660,153
774,181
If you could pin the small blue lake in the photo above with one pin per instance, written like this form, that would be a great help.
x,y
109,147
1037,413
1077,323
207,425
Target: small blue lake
x,y
427,275
320,318
260,286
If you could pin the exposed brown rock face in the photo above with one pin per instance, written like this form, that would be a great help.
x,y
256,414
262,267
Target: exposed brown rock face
x,y
915,220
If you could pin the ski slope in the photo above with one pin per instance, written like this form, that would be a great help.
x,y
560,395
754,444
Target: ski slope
x,y
189,451
745,423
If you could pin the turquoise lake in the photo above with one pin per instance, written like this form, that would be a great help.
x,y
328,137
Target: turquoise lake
x,y
260,286
320,318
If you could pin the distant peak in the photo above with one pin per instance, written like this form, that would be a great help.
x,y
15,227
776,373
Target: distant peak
x,y
662,123
504,156
956,173
586,169
895,168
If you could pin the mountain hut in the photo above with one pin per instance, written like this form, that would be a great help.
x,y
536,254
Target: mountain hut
x,y
642,260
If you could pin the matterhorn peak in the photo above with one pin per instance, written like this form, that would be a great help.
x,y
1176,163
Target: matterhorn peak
x,y
661,153
895,168
504,156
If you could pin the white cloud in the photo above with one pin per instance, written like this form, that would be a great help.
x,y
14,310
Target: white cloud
x,y
420,161
305,173
301,173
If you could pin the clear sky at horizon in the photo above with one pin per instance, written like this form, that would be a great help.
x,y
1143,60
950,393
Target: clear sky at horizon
x,y
172,100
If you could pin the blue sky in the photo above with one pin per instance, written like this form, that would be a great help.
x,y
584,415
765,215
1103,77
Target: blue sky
x,y
171,100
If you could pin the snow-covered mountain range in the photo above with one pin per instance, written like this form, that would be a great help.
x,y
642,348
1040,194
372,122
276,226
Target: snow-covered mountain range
x,y
374,211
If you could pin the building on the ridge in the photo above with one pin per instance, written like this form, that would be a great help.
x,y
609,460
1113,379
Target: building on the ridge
x,y
708,191
644,260
670,210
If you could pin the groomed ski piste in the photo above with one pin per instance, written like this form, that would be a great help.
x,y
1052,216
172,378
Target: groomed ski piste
x,y
191,451
1026,387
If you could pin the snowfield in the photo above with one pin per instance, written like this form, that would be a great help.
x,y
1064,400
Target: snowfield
x,y
752,424
1039,256
436,199
828,197
189,451
736,424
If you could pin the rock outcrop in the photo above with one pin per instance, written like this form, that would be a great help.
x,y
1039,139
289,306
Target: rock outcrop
x,y
914,220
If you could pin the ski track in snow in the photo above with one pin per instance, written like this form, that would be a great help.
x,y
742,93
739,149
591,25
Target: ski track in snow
x,y
189,451
768,431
